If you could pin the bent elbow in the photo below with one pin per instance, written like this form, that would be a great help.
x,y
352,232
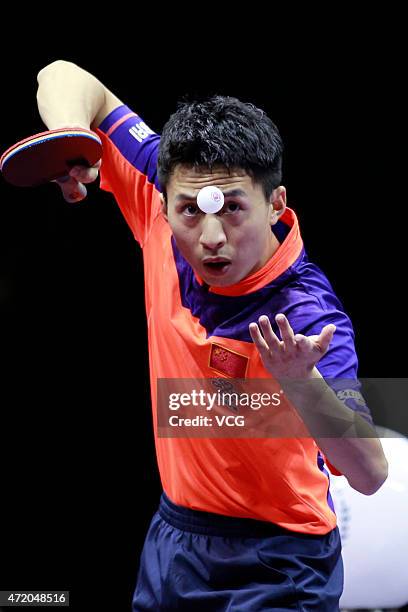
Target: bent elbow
x,y
376,480
373,481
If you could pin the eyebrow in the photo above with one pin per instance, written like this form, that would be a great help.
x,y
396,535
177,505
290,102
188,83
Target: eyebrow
x,y
233,193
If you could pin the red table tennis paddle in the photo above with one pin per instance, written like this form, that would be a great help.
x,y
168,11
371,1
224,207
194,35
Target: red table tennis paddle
x,y
50,155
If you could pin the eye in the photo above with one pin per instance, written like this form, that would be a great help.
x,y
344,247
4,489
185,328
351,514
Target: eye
x,y
190,210
232,207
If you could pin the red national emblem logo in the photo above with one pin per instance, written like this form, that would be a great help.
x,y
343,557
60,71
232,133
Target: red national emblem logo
x,y
228,362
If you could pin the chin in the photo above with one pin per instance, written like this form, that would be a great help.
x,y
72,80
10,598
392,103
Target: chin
x,y
219,281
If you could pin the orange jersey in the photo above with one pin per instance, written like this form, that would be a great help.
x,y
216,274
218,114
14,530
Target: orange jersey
x,y
196,331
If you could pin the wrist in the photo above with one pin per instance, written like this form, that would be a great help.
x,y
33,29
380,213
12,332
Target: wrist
x,y
68,125
314,373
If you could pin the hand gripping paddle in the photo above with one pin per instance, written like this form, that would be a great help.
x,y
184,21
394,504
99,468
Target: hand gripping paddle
x,y
50,155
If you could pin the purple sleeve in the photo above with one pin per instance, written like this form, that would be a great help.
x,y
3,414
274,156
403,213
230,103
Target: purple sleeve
x,y
318,307
134,139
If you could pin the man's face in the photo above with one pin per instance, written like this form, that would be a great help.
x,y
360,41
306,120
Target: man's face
x,y
239,235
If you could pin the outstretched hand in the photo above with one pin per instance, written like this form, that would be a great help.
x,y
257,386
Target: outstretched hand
x,y
295,355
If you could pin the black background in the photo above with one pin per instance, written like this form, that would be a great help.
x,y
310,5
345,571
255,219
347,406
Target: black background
x,y
79,477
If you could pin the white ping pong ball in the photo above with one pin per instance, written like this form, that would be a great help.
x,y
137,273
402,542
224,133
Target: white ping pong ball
x,y
210,199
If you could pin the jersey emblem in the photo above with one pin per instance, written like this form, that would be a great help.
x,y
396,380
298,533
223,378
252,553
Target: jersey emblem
x,y
228,362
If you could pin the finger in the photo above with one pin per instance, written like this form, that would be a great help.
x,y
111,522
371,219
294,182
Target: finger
x,y
84,174
302,341
325,337
271,338
286,332
257,338
72,190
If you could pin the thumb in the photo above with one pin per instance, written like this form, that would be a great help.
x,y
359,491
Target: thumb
x,y
72,190
326,336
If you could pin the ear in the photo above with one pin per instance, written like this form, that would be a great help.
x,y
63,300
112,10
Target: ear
x,y
163,207
277,203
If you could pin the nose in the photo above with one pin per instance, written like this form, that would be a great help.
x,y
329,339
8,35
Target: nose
x,y
212,232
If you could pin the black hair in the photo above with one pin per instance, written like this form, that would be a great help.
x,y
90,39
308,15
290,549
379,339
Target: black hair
x,y
222,130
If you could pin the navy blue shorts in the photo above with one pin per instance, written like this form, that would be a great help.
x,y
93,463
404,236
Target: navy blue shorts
x,y
196,561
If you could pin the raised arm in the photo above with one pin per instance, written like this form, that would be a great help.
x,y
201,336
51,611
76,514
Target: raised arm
x,y
69,96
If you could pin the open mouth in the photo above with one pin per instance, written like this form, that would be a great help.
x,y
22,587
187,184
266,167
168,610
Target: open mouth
x,y
217,267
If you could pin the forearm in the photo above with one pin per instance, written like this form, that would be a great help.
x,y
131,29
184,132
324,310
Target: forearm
x,y
348,441
361,460
68,96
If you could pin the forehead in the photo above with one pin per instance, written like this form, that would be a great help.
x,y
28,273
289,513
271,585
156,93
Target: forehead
x,y
192,179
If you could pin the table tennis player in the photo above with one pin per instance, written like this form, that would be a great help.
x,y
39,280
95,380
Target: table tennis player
x,y
244,523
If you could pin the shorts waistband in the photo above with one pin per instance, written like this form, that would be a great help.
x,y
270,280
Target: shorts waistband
x,y
208,523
